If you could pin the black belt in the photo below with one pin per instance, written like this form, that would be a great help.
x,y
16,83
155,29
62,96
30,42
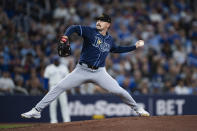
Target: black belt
x,y
89,66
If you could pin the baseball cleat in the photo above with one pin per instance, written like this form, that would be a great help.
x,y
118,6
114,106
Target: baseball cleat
x,y
33,113
142,112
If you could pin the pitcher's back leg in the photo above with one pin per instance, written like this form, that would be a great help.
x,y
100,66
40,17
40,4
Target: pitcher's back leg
x,y
73,79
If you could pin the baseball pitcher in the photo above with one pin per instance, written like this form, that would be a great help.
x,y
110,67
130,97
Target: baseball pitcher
x,y
91,67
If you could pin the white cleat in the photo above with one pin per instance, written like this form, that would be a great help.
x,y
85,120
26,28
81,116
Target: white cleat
x,y
33,113
142,112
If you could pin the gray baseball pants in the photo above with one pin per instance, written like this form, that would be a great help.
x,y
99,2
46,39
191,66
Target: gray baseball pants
x,y
83,74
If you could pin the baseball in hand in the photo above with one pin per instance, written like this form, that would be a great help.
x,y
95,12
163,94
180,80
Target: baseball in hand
x,y
139,43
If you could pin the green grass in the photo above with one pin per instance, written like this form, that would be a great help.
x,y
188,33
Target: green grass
x,y
4,126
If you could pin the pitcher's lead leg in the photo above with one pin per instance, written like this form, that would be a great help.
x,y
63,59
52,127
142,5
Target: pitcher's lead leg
x,y
108,83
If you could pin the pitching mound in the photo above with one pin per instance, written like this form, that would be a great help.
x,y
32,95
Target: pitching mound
x,y
155,123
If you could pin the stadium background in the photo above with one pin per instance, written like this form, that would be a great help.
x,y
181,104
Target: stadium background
x,y
166,66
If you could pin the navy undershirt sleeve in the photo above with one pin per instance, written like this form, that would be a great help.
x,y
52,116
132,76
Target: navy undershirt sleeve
x,y
122,49
83,31
73,29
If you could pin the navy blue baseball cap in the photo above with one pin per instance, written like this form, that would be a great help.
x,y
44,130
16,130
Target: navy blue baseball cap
x,y
104,17
55,58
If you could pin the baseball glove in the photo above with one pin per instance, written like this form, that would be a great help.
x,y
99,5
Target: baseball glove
x,y
63,48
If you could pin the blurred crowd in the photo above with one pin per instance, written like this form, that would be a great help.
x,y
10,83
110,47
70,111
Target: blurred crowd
x,y
167,64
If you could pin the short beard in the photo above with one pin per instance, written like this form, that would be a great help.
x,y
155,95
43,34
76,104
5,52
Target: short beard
x,y
99,29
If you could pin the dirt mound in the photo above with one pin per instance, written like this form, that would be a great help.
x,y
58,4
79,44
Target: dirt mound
x,y
154,123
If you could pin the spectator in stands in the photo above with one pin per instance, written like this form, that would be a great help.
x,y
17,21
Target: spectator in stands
x,y
144,86
87,88
34,85
168,87
179,54
181,89
158,79
61,11
19,88
6,83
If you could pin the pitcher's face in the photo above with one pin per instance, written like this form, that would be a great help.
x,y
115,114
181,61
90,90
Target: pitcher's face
x,y
101,25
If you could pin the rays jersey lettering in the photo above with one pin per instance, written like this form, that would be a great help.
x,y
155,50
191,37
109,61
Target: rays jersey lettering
x,y
101,44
